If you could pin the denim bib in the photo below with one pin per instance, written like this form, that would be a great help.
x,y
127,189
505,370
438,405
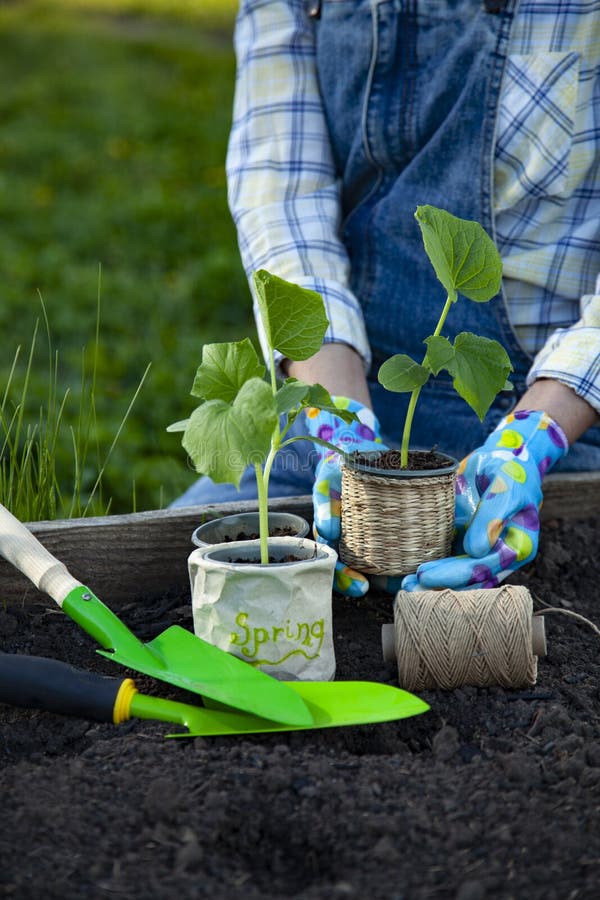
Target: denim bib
x,y
411,110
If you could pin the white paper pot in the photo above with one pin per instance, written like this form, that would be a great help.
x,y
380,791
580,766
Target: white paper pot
x,y
276,617
227,528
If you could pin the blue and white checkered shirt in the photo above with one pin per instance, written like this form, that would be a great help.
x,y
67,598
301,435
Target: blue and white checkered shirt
x,y
284,192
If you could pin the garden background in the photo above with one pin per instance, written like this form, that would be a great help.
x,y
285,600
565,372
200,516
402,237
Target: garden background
x,y
114,117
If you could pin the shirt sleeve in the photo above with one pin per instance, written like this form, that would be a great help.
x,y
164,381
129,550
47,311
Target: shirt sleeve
x,y
283,190
572,355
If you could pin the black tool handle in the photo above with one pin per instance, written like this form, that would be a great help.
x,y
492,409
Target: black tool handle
x,y
34,682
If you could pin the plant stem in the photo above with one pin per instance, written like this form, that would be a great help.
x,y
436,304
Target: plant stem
x,y
263,475
263,511
412,403
313,440
442,319
407,427
272,371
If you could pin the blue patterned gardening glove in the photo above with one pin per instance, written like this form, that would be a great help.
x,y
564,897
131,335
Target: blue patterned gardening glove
x,y
498,499
362,435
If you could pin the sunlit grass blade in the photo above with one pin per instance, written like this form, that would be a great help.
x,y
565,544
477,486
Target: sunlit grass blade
x,y
46,462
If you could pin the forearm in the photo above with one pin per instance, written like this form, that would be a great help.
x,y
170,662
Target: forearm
x,y
338,368
562,404
564,379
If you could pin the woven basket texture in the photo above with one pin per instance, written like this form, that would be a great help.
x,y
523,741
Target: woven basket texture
x,y
391,525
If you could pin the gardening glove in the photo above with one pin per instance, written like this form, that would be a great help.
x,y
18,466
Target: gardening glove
x,y
498,498
362,435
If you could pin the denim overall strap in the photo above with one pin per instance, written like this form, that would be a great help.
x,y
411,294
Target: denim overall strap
x,y
411,89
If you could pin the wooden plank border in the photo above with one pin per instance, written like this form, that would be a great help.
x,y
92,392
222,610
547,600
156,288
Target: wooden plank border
x,y
129,557
126,557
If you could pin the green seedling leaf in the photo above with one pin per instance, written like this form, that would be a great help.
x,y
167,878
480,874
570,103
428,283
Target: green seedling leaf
x,y
293,317
290,395
440,353
479,370
319,397
400,373
329,446
223,438
225,367
178,426
463,255
294,395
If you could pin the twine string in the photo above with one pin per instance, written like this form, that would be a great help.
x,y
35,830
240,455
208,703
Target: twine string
x,y
565,612
445,639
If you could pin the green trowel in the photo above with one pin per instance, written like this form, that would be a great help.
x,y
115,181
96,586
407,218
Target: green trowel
x,y
48,684
175,655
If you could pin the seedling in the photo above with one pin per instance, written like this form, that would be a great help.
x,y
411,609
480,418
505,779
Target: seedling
x,y
245,412
466,262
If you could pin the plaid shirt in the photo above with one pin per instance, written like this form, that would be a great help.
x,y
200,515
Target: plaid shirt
x,y
284,191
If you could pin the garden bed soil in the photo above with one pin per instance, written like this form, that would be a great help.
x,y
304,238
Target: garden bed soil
x,y
491,794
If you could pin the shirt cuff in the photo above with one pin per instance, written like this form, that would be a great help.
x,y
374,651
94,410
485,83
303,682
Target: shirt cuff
x,y
572,355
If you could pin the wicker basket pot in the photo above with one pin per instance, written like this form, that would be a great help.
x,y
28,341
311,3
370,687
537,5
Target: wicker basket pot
x,y
392,520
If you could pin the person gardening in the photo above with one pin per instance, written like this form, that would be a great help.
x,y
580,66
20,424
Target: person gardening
x,y
347,116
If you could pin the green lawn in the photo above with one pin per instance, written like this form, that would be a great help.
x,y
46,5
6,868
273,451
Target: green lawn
x,y
114,121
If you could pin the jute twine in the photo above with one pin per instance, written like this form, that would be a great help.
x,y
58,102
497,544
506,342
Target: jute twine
x,y
389,526
446,639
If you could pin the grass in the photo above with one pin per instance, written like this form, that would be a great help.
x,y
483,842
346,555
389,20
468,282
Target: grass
x,y
212,13
32,459
115,121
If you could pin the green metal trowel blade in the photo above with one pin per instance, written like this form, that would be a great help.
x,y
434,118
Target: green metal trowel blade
x,y
332,704
336,703
179,657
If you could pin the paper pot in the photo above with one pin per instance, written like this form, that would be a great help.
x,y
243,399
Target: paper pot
x,y
394,520
276,617
228,528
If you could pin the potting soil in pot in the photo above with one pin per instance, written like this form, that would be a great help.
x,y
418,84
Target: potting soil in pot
x,y
492,794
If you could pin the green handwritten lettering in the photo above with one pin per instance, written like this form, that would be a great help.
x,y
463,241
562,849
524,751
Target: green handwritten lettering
x,y
251,638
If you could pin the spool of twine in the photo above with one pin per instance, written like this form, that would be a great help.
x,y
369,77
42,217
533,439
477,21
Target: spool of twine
x,y
447,639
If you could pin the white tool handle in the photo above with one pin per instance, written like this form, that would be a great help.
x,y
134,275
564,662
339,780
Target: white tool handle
x,y
21,548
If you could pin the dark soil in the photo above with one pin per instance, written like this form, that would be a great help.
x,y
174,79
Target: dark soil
x,y
418,460
272,559
254,535
491,794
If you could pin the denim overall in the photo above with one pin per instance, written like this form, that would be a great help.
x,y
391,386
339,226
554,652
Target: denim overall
x,y
410,90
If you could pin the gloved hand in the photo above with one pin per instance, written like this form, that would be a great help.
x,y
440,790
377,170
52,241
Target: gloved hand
x,y
362,435
498,498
